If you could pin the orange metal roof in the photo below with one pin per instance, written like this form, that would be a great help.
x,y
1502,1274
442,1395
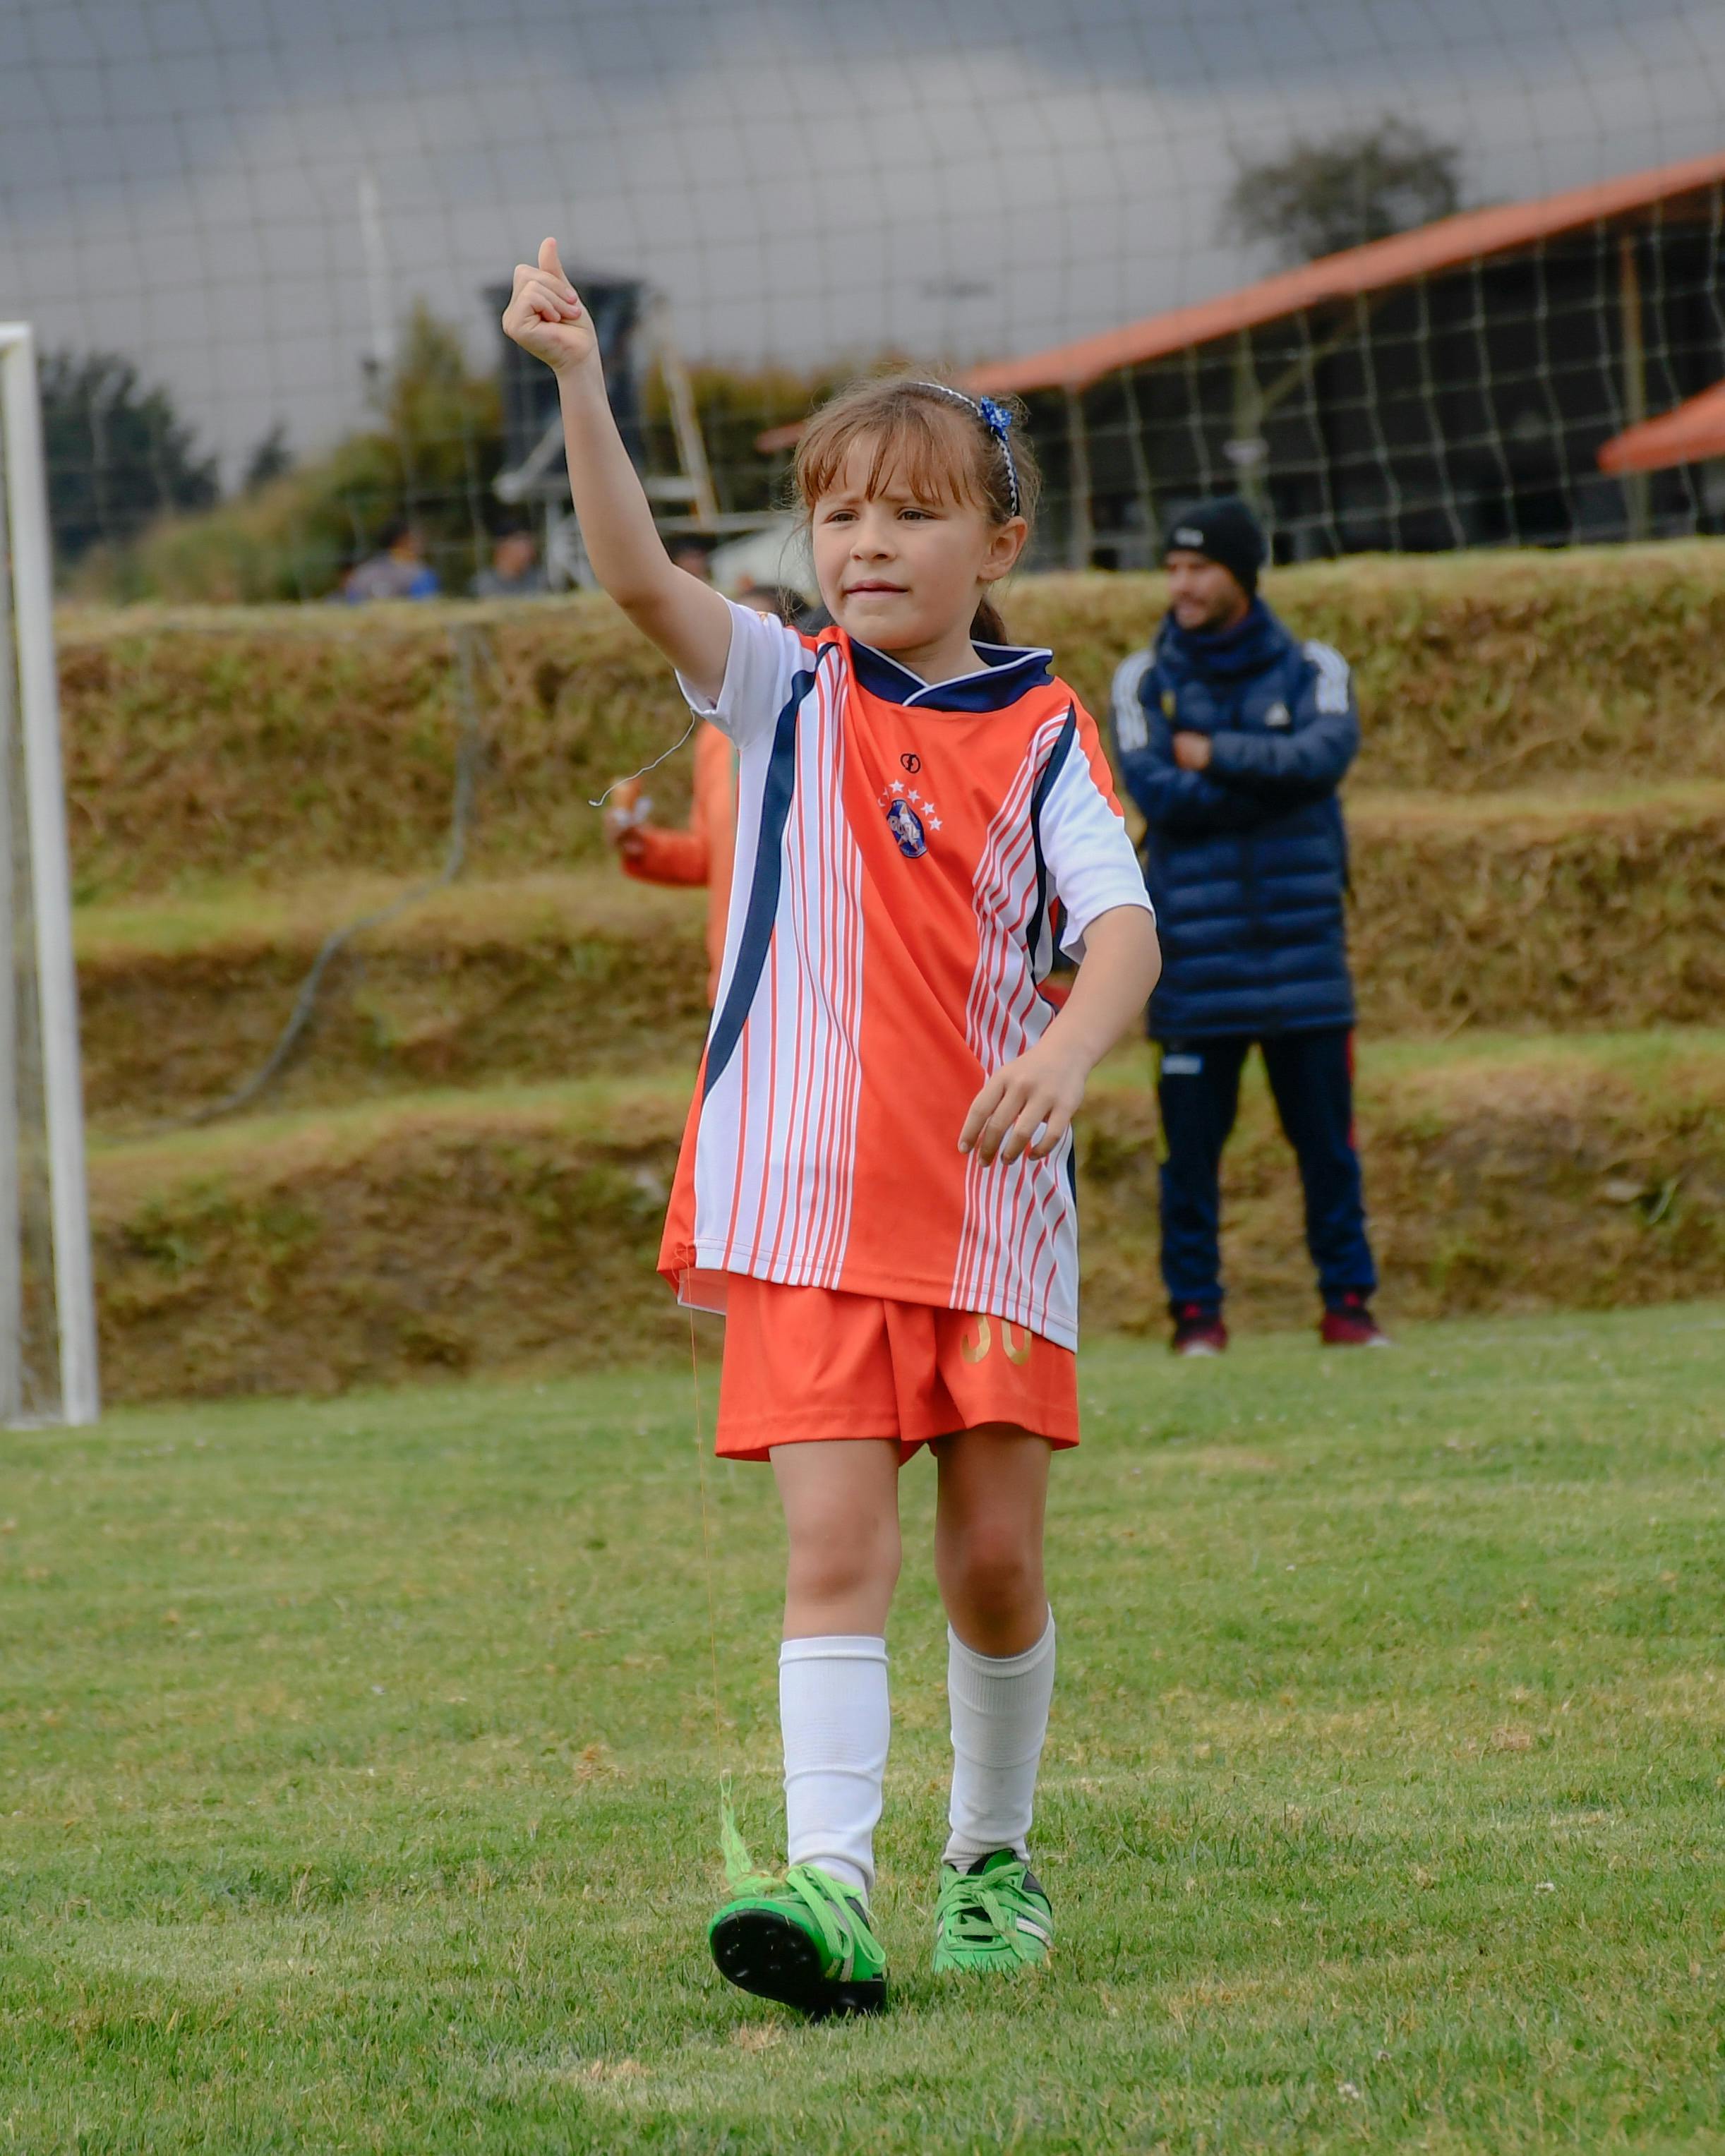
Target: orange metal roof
x,y
1445,245
1682,436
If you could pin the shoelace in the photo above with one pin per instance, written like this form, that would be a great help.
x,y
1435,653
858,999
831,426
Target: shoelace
x,y
977,1910
837,1937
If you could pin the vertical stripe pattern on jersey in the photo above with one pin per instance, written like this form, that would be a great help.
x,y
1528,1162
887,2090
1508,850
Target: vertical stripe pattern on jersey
x,y
818,959
776,1155
763,888
1044,786
1017,1246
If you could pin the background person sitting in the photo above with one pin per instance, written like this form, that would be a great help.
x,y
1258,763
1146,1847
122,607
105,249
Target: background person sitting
x,y
1232,737
398,570
515,572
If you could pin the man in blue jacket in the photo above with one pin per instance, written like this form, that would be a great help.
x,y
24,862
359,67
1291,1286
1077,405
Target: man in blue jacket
x,y
1233,737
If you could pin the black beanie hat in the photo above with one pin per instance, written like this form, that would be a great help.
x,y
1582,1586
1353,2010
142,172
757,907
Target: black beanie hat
x,y
1222,530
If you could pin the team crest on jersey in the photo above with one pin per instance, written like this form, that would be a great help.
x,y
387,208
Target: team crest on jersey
x,y
909,817
906,826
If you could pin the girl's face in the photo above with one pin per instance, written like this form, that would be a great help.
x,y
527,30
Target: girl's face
x,y
898,570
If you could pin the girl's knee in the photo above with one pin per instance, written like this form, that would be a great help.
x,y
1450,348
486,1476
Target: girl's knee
x,y
835,1554
996,1568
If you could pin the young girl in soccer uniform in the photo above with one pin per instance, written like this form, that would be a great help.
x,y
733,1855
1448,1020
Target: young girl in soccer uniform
x,y
876,1181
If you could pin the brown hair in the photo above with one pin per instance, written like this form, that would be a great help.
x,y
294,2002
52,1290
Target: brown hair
x,y
940,440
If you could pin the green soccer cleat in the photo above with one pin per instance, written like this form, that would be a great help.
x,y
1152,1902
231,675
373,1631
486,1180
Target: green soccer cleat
x,y
804,1940
992,1915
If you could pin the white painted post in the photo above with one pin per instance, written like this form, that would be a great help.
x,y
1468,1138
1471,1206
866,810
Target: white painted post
x,y
11,1254
50,872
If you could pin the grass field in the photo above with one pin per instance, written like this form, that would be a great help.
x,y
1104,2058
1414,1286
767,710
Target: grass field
x,y
357,1772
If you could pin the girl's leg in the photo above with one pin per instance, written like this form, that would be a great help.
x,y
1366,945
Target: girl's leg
x,y
840,1502
993,1488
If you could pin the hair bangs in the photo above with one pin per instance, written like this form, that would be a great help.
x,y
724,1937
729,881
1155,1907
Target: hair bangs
x,y
910,442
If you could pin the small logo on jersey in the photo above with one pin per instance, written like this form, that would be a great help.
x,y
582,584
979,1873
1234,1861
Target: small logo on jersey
x,y
909,817
1277,716
1167,703
911,762
906,826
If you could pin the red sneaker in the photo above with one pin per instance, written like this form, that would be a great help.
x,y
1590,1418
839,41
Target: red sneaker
x,y
1350,1323
1198,1331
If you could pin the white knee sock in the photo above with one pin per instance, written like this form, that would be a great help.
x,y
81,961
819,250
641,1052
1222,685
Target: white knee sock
x,y
833,1709
999,1718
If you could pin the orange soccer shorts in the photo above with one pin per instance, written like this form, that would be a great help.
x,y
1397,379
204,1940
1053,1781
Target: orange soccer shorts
x,y
803,1363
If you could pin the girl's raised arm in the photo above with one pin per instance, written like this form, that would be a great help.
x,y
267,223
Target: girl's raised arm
x,y
687,619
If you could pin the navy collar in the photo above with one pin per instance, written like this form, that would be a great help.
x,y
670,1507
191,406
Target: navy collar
x,y
1007,670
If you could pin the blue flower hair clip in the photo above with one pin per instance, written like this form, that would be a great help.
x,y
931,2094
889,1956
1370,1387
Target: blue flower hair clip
x,y
996,419
999,422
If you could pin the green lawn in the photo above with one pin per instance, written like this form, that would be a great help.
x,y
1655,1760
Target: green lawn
x,y
358,1767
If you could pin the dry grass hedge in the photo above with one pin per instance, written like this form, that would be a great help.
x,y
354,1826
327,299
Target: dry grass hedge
x,y
541,978
273,742
1504,916
1476,672
1510,914
467,1233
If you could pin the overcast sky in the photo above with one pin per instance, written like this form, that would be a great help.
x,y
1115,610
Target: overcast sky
x,y
182,179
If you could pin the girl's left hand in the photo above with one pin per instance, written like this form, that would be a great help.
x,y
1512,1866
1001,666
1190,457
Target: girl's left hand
x,y
1027,1106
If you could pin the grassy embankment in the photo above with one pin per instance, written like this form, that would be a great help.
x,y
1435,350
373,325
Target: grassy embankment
x,y
358,1774
1539,821
457,1230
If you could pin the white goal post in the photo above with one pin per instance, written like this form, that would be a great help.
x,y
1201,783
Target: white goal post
x,y
41,1089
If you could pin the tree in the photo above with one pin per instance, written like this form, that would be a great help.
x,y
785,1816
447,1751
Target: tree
x,y
270,458
1318,198
442,438
432,449
118,454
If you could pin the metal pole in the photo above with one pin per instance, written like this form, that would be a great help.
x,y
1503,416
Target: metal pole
x,y
1081,536
685,424
50,875
381,354
1248,452
1636,491
11,1284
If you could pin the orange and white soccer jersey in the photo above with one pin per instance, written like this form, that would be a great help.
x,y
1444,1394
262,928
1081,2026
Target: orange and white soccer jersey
x,y
903,852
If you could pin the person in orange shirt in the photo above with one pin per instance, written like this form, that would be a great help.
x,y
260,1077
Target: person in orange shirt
x,y
701,853
705,850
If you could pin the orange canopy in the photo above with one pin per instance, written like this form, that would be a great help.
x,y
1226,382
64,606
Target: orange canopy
x,y
1683,436
1447,244
1450,243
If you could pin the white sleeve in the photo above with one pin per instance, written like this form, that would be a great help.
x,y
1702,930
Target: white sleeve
x,y
1091,862
765,658
1130,731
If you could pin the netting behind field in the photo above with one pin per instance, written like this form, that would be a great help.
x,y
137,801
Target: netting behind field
x,y
261,242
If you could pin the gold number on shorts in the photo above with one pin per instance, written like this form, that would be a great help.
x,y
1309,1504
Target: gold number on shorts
x,y
1016,1339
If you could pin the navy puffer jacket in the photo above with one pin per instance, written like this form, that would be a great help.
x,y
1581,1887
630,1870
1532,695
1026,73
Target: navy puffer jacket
x,y
1245,861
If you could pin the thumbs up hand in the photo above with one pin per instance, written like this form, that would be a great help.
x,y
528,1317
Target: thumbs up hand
x,y
544,314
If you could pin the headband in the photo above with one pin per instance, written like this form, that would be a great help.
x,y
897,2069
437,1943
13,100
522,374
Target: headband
x,y
996,419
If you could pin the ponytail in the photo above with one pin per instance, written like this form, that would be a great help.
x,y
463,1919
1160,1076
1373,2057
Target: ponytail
x,y
986,626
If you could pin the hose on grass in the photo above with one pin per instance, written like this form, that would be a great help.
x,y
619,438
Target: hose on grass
x,y
472,652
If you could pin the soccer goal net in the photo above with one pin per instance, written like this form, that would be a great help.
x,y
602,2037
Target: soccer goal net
x,y
48,1353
